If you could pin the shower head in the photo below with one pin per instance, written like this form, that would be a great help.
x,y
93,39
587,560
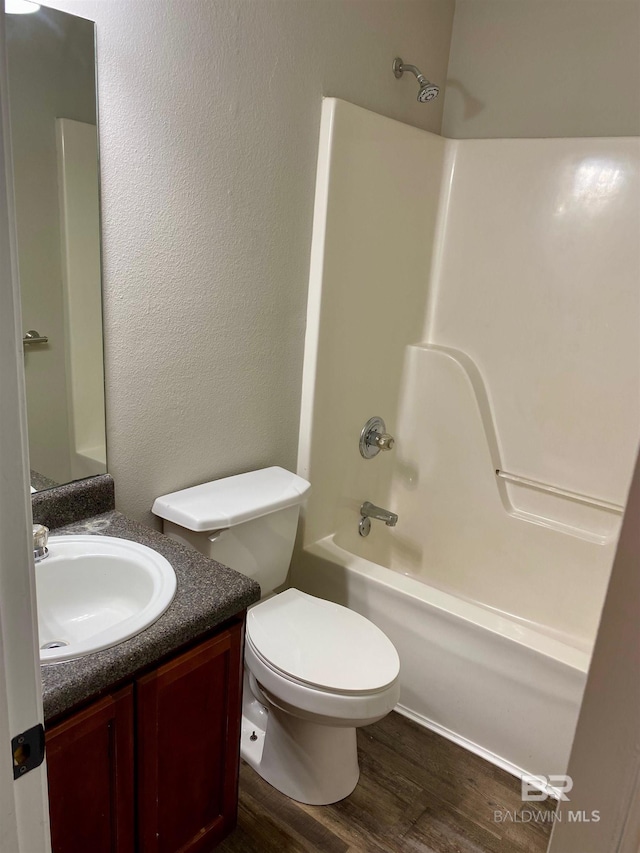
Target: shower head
x,y
428,91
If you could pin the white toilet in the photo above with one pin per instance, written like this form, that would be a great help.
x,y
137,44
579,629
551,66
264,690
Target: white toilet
x,y
314,670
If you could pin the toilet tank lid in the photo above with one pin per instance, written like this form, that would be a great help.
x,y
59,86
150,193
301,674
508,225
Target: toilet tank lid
x,y
232,500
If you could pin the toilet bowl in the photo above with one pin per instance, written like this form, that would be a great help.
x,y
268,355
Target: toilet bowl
x,y
314,670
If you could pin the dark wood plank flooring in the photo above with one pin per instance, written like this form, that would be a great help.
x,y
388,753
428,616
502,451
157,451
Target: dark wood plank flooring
x,y
418,792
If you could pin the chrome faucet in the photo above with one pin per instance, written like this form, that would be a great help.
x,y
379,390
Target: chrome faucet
x,y
369,511
40,539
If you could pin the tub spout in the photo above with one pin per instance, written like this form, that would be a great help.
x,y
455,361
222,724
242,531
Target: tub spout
x,y
369,510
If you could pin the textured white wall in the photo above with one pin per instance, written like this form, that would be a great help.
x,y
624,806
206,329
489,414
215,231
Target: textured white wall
x,y
209,115
544,68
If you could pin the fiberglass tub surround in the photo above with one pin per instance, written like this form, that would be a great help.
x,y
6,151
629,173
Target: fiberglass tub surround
x,y
496,283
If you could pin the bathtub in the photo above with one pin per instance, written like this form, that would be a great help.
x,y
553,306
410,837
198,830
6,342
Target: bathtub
x,y
507,488
501,689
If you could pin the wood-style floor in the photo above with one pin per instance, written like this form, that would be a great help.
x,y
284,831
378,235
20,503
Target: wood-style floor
x,y
417,793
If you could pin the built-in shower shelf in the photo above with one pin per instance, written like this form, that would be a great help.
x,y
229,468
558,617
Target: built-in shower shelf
x,y
562,493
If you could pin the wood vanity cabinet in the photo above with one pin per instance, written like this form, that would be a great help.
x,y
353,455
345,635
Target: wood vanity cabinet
x,y
188,739
153,768
91,784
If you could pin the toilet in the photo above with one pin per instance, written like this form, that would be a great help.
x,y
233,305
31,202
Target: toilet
x,y
314,670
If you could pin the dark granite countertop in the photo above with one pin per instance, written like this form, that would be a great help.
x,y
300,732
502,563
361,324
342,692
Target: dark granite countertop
x,y
74,501
207,595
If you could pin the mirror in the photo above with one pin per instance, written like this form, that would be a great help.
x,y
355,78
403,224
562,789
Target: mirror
x,y
52,98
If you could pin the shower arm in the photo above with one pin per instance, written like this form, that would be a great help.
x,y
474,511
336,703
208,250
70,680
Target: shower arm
x,y
400,67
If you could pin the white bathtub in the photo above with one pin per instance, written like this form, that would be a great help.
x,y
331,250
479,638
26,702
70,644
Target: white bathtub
x,y
507,487
497,687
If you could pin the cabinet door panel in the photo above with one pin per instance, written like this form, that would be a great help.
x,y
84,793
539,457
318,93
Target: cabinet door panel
x,y
90,773
188,726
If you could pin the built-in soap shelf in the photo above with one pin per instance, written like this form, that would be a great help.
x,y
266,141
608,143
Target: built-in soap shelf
x,y
524,498
568,512
561,493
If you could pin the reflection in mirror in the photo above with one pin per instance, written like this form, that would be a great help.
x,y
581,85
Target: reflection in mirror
x,y
53,130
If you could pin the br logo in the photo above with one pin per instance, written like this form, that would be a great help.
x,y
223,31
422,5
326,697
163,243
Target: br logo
x,y
537,788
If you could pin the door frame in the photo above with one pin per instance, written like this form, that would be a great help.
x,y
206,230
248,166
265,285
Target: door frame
x,y
24,809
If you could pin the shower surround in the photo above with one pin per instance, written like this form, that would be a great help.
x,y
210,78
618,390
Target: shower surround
x,y
482,297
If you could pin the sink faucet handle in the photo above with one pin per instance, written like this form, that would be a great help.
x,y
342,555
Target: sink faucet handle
x,y
40,539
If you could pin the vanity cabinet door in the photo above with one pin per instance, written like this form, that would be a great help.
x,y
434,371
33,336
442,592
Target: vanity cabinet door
x,y
90,773
188,738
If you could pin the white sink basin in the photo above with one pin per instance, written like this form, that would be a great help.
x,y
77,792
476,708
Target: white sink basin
x,y
96,591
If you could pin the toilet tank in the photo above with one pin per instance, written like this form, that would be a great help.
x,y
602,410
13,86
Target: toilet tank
x,y
247,522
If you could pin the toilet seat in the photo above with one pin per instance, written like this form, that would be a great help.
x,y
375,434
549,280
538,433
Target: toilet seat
x,y
321,645
321,706
297,682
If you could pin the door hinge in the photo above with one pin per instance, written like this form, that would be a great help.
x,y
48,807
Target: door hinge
x,y
27,750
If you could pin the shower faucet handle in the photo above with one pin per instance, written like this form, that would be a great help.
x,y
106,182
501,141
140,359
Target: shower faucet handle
x,y
383,440
374,438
